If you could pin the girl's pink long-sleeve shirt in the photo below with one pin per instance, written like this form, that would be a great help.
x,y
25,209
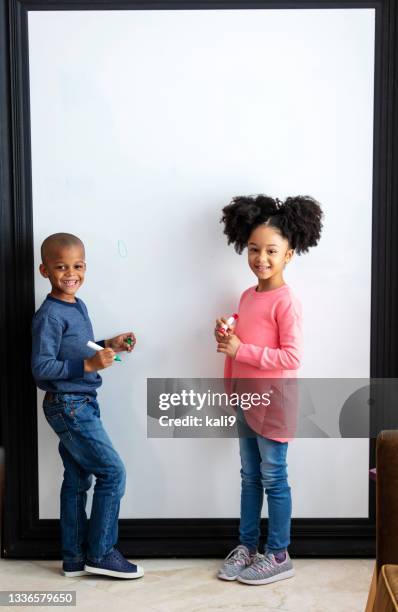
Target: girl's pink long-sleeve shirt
x,y
270,330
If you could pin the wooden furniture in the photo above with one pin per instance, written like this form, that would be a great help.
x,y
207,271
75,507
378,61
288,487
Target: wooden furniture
x,y
383,593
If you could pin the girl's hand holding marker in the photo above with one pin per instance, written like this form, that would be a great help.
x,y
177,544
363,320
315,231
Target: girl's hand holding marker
x,y
227,342
224,325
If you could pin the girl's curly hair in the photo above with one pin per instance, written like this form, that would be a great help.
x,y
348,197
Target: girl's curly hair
x,y
298,219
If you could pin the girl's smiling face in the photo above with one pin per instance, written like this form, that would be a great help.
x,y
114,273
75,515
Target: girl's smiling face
x,y
268,253
65,268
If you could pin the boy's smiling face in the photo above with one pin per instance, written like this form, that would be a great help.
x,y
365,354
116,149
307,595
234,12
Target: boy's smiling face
x,y
65,268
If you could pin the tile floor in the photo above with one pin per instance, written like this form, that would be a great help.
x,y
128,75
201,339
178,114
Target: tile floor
x,y
189,585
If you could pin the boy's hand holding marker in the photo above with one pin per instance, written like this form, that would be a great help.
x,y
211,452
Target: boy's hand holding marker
x,y
227,342
106,356
101,360
123,342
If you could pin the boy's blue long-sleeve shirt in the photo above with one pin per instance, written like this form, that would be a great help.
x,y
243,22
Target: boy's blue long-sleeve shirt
x,y
60,331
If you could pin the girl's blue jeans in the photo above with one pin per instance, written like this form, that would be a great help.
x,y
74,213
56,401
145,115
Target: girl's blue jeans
x,y
86,450
264,468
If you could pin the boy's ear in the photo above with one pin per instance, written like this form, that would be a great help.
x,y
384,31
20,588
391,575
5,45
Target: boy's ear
x,y
43,270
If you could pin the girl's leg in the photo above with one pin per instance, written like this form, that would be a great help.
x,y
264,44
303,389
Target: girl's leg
x,y
251,493
274,480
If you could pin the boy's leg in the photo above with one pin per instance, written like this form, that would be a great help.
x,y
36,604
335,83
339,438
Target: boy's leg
x,y
74,522
76,420
109,489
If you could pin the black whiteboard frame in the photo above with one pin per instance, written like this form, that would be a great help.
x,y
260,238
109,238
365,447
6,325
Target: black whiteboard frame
x,y
24,535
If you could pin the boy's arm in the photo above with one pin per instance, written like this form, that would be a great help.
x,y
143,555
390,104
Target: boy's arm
x,y
46,340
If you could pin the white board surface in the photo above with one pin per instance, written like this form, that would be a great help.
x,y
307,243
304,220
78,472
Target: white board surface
x,y
142,129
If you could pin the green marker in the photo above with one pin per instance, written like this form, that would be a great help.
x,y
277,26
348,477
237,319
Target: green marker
x,y
129,341
117,358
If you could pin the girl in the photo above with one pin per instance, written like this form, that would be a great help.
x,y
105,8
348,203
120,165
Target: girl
x,y
266,343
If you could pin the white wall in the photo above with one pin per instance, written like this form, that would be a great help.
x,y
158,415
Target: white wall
x,y
146,123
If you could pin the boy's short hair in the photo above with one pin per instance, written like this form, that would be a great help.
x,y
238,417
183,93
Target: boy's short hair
x,y
60,239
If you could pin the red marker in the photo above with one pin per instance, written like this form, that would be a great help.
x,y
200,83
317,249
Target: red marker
x,y
230,321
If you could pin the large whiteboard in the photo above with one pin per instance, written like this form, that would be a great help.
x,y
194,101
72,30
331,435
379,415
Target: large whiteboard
x,y
142,129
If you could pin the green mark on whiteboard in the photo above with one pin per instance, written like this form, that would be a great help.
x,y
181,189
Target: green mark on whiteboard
x,y
121,247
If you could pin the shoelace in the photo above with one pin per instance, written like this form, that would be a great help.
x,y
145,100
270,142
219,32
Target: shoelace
x,y
237,555
263,562
256,558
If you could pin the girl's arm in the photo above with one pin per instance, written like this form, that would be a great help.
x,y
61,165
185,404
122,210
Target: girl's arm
x,y
288,355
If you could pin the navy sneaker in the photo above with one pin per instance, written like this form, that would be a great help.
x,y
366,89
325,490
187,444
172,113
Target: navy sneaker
x,y
115,565
71,569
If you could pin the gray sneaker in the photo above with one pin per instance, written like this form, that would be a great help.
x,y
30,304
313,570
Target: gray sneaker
x,y
266,569
238,559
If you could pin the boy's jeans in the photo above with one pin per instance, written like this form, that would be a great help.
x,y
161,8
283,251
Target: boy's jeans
x,y
263,467
86,449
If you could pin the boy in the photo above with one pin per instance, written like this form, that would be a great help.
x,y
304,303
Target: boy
x,y
67,370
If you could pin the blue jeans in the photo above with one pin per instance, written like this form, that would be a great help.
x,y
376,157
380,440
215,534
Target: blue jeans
x,y
86,450
263,467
